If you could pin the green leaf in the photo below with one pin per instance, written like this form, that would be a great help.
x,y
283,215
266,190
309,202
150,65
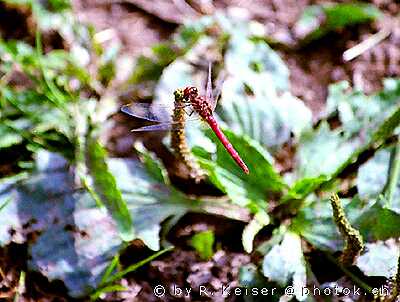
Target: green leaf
x,y
380,259
266,116
285,263
386,222
314,222
359,112
203,243
146,70
107,68
21,287
106,187
154,167
251,107
303,187
39,115
151,202
340,147
373,176
5,203
318,20
245,190
250,278
110,268
75,239
60,5
249,59
8,137
323,146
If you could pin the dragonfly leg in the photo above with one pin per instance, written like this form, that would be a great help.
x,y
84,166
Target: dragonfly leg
x,y
183,105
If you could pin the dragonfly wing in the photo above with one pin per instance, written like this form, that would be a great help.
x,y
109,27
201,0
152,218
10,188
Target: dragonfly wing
x,y
148,111
218,88
159,127
209,91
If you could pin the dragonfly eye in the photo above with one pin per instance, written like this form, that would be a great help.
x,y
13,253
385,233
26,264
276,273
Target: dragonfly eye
x,y
190,92
179,94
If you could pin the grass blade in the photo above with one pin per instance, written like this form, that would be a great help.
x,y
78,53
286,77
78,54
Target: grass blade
x,y
135,266
106,188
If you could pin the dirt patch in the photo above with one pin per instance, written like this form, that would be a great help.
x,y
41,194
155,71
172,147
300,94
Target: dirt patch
x,y
16,23
133,28
183,269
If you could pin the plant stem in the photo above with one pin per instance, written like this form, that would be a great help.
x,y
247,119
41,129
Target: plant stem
x,y
353,239
178,140
393,174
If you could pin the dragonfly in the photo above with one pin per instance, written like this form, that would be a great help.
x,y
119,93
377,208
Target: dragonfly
x,y
203,105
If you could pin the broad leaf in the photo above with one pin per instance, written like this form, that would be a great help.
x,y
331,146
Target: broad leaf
x,y
262,114
248,60
323,151
386,222
245,190
285,264
252,100
314,222
303,187
380,259
338,148
75,239
373,176
251,278
361,114
151,202
318,20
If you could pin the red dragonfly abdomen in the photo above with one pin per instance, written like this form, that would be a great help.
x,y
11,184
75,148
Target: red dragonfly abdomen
x,y
225,142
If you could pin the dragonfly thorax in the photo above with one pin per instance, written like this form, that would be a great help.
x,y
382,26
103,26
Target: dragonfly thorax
x,y
201,106
199,103
190,93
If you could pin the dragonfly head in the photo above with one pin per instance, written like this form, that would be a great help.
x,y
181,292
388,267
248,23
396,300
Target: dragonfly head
x,y
190,92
